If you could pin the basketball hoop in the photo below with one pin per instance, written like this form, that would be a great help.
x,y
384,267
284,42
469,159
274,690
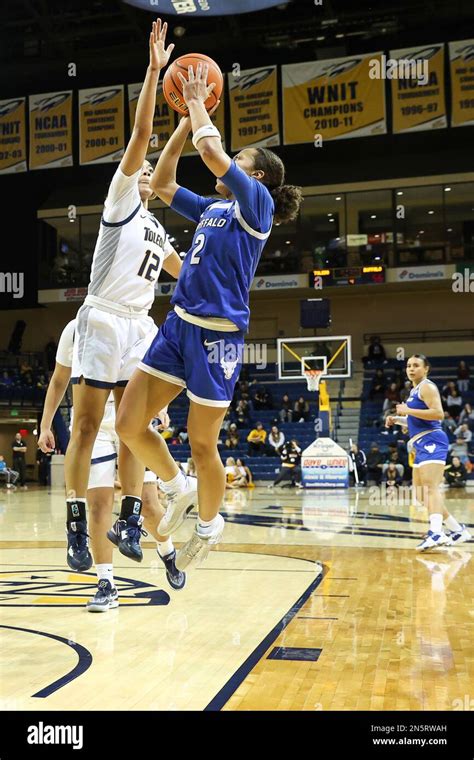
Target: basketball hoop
x,y
313,378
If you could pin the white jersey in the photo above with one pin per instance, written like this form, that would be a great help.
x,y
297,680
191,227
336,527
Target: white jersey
x,y
64,356
130,248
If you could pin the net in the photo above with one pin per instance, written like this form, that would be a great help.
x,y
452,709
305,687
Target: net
x,y
313,377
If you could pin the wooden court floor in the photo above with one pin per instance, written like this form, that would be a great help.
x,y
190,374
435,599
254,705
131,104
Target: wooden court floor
x,y
313,601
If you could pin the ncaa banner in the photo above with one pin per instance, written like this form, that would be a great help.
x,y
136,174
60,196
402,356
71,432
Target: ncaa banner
x,y
101,131
12,136
334,99
51,130
461,60
254,108
163,120
418,97
218,119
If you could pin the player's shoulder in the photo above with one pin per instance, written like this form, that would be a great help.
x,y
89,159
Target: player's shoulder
x,y
68,330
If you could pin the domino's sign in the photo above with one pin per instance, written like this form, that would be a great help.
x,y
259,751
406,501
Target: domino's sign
x,y
203,7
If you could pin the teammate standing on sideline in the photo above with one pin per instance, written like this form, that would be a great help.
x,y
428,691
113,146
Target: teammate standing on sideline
x,y
113,329
422,413
199,346
100,490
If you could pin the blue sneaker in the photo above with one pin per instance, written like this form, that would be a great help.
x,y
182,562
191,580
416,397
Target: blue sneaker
x,y
432,541
126,535
79,557
106,598
175,577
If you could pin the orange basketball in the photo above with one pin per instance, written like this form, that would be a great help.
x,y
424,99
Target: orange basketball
x,y
172,89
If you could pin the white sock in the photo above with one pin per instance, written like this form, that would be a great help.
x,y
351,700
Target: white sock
x,y
452,524
205,527
436,523
165,547
105,572
176,485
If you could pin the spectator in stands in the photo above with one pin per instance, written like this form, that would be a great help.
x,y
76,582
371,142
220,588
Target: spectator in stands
x,y
290,464
5,380
454,404
50,350
242,413
398,377
463,376
375,460
461,445
301,410
448,424
245,472
405,391
377,388
389,411
286,410
376,352
19,458
232,440
360,463
256,440
267,399
393,459
392,396
447,389
392,476
467,415
455,474
234,478
10,476
275,441
259,399
226,422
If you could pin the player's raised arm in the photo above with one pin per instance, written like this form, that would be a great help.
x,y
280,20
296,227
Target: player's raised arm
x,y
137,147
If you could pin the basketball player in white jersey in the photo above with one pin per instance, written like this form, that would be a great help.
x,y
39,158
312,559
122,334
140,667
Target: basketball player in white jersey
x,y
100,491
113,329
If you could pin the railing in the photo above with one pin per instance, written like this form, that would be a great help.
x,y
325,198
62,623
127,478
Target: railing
x,y
421,337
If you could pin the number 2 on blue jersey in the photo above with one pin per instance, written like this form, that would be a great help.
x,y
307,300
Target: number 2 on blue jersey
x,y
199,245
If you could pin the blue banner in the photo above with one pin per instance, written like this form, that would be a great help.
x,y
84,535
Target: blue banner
x,y
202,7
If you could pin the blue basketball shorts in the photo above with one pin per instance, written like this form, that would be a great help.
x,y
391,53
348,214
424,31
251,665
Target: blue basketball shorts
x,y
431,448
205,362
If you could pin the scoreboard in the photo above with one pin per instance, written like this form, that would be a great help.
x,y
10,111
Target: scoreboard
x,y
368,275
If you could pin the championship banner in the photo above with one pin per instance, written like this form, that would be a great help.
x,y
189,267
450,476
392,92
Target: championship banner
x,y
254,108
51,130
418,97
12,136
331,100
218,119
101,131
163,120
461,61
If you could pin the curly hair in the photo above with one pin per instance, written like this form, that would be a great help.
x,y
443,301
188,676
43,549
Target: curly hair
x,y
287,198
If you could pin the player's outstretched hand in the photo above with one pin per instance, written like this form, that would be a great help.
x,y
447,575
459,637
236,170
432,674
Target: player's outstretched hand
x,y
159,55
46,441
195,87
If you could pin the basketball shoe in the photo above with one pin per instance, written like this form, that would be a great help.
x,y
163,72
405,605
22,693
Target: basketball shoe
x,y
198,547
126,535
175,577
178,508
432,541
106,598
79,557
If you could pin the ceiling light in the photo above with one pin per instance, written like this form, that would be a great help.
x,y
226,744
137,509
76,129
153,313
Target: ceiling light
x,y
338,198
447,189
400,192
373,216
179,31
430,212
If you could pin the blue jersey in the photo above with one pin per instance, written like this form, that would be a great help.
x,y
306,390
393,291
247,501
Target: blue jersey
x,y
415,424
228,241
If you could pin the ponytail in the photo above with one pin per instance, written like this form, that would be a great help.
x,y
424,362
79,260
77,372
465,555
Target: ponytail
x,y
287,198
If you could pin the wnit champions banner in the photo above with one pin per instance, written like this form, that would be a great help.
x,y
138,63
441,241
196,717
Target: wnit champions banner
x,y
51,130
12,136
461,59
102,137
333,99
254,108
163,119
418,97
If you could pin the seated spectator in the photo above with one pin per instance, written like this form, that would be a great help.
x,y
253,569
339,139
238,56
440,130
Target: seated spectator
x,y
455,474
405,391
360,463
242,413
234,478
393,458
375,460
190,467
463,376
226,422
454,404
256,440
392,395
10,476
5,380
232,440
377,388
290,457
301,410
245,472
376,352
467,415
391,476
286,411
461,445
389,412
259,399
448,424
275,441
398,377
447,389
267,399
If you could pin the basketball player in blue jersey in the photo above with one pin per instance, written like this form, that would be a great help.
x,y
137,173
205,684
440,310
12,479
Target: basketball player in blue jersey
x,y
422,414
199,347
113,329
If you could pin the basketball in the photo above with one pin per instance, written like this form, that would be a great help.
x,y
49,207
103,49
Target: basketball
x,y
172,88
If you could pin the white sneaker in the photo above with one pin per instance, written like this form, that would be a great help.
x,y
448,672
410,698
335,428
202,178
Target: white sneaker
x,y
432,540
179,504
459,537
198,547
